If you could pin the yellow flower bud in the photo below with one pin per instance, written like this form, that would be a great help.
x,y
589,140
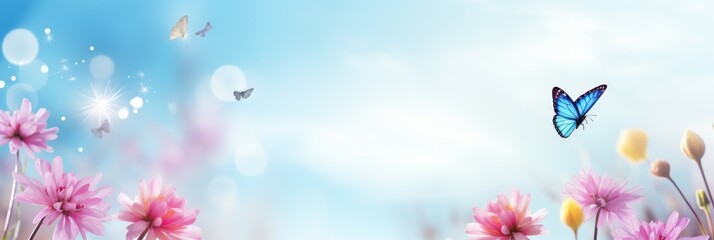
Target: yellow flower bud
x,y
571,213
693,146
633,145
702,200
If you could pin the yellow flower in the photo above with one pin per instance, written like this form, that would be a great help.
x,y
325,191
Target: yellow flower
x,y
571,213
702,200
633,145
693,146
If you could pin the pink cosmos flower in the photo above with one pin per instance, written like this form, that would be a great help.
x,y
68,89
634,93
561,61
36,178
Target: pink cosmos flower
x,y
506,219
601,193
657,230
158,213
24,129
79,207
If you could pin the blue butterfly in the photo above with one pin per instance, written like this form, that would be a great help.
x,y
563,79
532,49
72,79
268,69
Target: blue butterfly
x,y
570,115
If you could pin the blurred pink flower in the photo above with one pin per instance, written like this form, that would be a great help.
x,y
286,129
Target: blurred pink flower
x,y
25,129
657,230
158,212
506,219
602,193
79,207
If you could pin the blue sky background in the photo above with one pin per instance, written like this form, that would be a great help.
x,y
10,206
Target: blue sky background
x,y
378,119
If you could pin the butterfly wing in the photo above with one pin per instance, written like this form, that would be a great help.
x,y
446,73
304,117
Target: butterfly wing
x,y
208,26
238,95
564,126
201,33
97,132
586,101
247,93
179,30
566,113
105,126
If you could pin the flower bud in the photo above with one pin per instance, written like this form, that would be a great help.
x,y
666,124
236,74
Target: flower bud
x,y
693,146
660,168
571,213
702,200
633,145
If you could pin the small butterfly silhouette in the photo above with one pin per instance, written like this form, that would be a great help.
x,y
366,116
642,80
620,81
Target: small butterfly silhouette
x,y
242,95
205,29
103,128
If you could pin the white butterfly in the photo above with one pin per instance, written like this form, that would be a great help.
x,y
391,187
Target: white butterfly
x,y
242,95
179,30
104,128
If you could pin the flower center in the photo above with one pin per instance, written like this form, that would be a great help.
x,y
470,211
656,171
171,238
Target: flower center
x,y
601,202
16,133
65,205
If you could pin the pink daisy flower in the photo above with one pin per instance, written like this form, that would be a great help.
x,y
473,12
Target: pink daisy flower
x,y
25,129
158,213
604,194
657,230
79,207
506,219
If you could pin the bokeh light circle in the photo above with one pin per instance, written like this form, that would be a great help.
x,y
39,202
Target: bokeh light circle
x,y
225,80
48,31
123,113
222,192
2,84
136,102
101,67
44,68
17,92
20,46
251,159
31,74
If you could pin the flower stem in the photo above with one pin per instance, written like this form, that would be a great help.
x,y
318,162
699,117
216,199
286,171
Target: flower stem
x,y
597,217
143,235
34,232
11,206
706,184
699,221
575,233
709,219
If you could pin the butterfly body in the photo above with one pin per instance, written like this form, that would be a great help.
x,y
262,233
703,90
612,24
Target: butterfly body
x,y
242,95
569,114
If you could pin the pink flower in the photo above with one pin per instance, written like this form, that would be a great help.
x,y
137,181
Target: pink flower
x,y
657,230
158,212
24,129
604,194
506,219
79,207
